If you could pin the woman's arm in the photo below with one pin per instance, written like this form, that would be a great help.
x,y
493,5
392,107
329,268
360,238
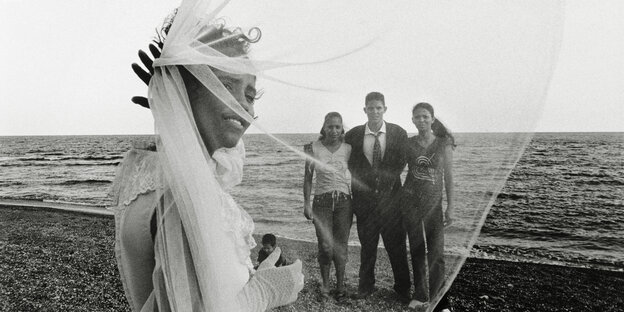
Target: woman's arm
x,y
307,182
448,183
348,149
307,189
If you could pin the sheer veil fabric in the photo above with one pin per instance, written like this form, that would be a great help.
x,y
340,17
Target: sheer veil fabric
x,y
218,232
491,60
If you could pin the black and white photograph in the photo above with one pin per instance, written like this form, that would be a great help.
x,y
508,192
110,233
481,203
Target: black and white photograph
x,y
312,155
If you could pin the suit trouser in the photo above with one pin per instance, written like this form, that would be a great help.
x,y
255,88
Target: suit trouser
x,y
375,218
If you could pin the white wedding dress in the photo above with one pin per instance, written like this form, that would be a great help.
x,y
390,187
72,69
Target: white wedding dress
x,y
148,268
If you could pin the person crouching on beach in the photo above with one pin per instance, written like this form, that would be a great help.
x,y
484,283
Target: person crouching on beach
x,y
331,210
269,246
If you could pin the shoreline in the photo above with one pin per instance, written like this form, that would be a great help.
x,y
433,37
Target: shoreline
x,y
474,254
65,261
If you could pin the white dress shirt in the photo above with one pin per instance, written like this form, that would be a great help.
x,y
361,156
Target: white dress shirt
x,y
369,141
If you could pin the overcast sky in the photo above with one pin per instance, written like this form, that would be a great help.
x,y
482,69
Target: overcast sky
x,y
66,64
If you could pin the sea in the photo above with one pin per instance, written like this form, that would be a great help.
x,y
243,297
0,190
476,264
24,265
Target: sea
x,y
549,197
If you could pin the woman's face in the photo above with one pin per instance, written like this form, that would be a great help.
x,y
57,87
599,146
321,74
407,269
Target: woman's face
x,y
422,119
218,125
333,129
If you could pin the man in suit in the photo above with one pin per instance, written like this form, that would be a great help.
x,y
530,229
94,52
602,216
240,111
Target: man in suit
x,y
376,162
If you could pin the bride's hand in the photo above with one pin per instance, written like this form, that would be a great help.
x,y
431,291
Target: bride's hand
x,y
272,287
271,259
145,76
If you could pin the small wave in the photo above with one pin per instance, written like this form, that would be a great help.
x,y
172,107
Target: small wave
x,y
87,181
36,151
537,234
509,196
110,163
25,165
279,163
264,220
528,255
30,197
32,158
64,158
60,164
11,183
90,157
587,174
576,146
109,157
591,246
287,221
599,182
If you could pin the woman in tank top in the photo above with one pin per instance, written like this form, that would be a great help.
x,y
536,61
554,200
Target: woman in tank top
x,y
330,210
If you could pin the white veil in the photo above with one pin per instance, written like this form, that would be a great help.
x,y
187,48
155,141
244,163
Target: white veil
x,y
217,231
500,69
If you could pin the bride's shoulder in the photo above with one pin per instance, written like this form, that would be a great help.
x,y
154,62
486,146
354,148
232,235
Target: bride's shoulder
x,y
140,161
139,173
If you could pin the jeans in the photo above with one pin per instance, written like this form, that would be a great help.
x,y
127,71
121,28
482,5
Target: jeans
x,y
333,217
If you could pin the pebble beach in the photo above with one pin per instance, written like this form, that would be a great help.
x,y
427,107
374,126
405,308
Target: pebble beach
x,y
55,260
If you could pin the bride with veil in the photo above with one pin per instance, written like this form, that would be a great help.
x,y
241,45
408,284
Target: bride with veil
x,y
184,244
201,96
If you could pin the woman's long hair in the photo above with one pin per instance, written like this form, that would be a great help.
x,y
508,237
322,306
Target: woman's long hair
x,y
439,130
327,117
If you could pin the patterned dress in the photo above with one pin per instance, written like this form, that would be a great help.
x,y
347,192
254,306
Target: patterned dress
x,y
421,200
424,182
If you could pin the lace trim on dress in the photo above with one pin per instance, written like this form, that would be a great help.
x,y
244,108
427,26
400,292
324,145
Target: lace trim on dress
x,y
228,164
138,174
240,224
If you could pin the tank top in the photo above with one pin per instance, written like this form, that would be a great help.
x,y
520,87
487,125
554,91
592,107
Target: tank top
x,y
332,173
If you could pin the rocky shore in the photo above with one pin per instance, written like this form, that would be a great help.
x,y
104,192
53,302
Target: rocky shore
x,y
64,261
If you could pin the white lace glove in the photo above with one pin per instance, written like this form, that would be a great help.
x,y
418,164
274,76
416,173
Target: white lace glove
x,y
271,287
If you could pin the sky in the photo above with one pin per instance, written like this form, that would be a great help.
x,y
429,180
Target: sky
x,y
487,66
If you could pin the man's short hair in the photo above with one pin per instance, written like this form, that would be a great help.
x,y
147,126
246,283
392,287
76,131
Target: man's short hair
x,y
269,239
375,96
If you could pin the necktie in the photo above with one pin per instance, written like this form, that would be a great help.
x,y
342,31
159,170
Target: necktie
x,y
376,151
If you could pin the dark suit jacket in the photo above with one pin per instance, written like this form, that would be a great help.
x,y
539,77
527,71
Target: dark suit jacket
x,y
386,180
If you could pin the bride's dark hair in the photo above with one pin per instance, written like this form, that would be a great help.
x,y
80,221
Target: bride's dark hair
x,y
439,130
229,41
